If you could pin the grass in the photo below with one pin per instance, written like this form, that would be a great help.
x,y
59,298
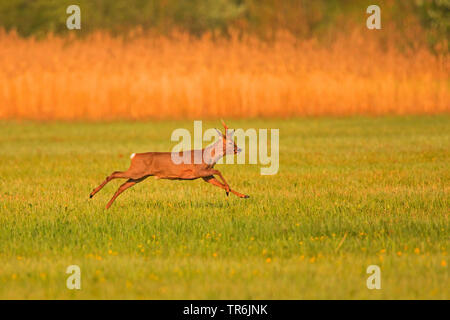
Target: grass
x,y
351,192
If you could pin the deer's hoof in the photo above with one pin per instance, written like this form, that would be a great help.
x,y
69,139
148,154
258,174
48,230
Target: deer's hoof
x,y
246,197
90,196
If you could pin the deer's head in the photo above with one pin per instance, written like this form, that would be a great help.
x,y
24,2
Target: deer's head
x,y
229,147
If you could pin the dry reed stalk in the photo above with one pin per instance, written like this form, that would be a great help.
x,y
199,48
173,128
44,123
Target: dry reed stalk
x,y
101,77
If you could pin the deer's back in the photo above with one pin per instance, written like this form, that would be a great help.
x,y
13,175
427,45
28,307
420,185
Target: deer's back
x,y
162,166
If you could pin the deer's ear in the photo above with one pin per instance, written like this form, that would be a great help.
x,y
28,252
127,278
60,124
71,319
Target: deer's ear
x,y
219,133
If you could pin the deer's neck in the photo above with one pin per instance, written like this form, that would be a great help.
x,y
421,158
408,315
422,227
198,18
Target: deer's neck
x,y
213,153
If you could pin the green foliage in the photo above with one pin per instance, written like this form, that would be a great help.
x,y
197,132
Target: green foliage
x,y
435,15
195,16
303,18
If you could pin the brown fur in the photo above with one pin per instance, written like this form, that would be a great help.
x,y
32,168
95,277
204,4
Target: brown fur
x,y
160,165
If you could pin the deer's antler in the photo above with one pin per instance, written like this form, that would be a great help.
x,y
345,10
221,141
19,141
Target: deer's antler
x,y
224,125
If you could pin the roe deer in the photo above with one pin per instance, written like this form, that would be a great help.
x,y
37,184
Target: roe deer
x,y
161,165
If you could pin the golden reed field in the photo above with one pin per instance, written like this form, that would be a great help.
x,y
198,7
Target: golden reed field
x,y
102,77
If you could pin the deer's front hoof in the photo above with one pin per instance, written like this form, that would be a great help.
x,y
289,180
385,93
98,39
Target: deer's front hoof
x,y
246,196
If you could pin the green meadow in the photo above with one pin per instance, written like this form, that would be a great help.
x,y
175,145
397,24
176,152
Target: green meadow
x,y
350,193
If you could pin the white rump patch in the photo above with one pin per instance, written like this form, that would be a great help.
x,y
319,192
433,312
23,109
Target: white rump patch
x,y
132,156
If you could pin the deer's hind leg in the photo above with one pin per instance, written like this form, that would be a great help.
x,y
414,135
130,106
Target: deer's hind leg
x,y
114,175
128,184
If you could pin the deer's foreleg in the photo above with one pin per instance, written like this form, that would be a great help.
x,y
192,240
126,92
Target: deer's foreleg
x,y
227,187
215,182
